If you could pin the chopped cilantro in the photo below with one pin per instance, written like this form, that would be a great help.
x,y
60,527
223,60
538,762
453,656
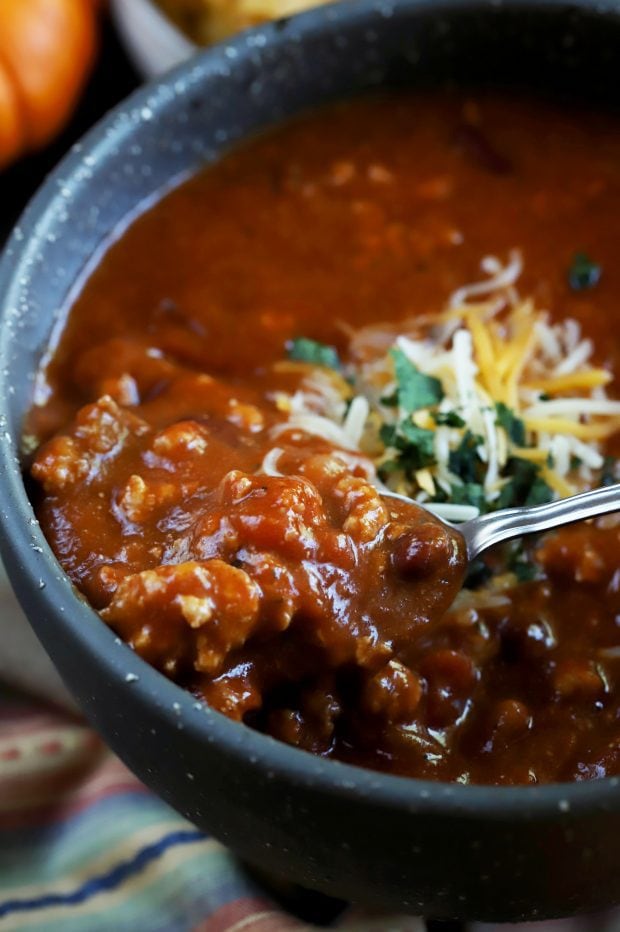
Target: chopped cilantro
x,y
464,461
448,419
387,468
388,434
513,425
470,493
303,349
418,436
507,496
414,444
540,493
522,474
414,389
525,486
583,273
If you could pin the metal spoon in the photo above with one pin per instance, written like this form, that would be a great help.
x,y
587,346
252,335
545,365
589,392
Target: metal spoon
x,y
498,526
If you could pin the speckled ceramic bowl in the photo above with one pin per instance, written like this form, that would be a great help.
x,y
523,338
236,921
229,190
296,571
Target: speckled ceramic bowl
x,y
494,853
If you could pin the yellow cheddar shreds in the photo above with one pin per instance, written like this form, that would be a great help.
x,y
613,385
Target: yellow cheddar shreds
x,y
484,404
574,381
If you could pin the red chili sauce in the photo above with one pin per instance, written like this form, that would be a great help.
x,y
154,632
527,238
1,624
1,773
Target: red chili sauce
x,y
305,604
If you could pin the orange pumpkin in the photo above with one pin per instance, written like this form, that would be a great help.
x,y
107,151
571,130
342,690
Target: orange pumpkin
x,y
46,50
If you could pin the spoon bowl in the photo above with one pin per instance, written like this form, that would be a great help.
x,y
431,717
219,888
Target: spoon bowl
x,y
499,526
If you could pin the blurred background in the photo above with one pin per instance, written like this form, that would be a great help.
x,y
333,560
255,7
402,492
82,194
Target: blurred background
x,y
64,63
105,77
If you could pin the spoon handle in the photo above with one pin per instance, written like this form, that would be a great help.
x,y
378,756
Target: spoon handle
x,y
493,528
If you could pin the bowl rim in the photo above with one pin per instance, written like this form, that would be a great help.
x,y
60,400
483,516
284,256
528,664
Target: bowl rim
x,y
27,554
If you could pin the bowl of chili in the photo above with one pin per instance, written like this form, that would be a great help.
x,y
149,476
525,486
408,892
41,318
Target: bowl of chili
x,y
413,843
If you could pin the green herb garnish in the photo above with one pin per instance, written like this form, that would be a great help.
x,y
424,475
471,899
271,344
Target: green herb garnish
x,y
513,425
470,493
540,493
464,461
525,486
448,419
415,447
303,349
385,470
414,389
583,273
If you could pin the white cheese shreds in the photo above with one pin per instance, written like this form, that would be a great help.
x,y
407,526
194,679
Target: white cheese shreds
x,y
317,426
492,459
465,370
587,453
269,466
514,388
448,512
355,420
499,279
579,355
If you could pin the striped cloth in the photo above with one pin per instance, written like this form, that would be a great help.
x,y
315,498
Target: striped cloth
x,y
85,847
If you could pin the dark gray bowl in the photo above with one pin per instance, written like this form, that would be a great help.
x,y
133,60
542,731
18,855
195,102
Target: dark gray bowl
x,y
459,851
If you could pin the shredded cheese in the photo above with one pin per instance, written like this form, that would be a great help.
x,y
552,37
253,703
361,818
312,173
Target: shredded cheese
x,y
573,381
499,279
514,383
269,466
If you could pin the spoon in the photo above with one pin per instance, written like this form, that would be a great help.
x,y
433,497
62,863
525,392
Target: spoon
x,y
498,526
